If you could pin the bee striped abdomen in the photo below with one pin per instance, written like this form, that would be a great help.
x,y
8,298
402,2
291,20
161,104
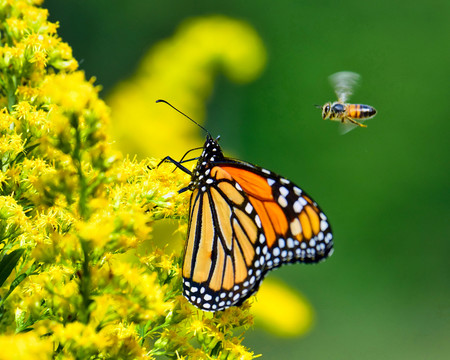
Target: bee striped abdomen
x,y
360,111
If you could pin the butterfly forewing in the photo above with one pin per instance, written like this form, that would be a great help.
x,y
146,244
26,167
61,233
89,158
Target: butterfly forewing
x,y
245,221
295,228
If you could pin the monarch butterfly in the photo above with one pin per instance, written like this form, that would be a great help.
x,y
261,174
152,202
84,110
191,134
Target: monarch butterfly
x,y
244,221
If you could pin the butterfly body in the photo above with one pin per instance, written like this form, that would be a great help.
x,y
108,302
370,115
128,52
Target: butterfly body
x,y
245,221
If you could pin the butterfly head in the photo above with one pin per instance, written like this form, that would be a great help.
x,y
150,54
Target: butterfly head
x,y
212,152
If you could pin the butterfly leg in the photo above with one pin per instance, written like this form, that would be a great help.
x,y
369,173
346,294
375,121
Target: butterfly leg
x,y
176,163
179,166
354,122
187,152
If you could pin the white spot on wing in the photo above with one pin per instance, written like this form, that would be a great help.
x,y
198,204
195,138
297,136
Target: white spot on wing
x,y
248,208
282,201
290,242
284,191
297,207
262,238
258,221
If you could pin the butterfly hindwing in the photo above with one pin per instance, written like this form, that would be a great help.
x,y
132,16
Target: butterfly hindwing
x,y
219,268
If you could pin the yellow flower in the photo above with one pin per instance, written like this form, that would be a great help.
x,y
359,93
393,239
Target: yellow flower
x,y
198,326
17,26
39,58
28,346
126,341
281,310
12,213
11,145
22,109
239,352
12,56
83,339
6,120
27,93
97,230
70,91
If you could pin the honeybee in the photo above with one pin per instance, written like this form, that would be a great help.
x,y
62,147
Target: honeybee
x,y
348,114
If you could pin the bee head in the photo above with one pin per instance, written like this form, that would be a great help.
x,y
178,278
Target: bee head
x,y
326,109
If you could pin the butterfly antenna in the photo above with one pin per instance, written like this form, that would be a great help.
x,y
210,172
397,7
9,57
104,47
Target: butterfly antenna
x,y
318,106
182,113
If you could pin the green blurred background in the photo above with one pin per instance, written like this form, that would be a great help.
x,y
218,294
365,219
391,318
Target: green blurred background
x,y
385,293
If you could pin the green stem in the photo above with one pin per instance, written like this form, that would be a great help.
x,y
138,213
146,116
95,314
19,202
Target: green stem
x,y
11,92
85,279
82,204
85,285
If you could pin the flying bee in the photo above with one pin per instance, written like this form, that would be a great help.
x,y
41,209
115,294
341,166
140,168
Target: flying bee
x,y
348,114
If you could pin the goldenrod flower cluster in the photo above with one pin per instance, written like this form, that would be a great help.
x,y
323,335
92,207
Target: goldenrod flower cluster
x,y
75,283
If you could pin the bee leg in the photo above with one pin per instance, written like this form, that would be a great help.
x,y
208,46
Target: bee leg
x,y
355,122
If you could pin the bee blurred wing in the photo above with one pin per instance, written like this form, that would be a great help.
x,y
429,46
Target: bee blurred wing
x,y
343,83
344,128
347,126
